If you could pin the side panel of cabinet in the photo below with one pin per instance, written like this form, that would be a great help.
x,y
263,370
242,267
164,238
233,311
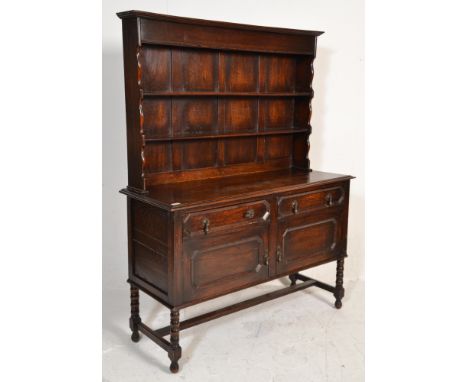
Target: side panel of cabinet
x,y
149,252
215,264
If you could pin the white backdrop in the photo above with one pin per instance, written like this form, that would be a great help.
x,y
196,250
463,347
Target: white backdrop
x,y
337,140
430,116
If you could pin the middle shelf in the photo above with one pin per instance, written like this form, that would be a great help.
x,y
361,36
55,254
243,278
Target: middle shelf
x,y
228,135
146,93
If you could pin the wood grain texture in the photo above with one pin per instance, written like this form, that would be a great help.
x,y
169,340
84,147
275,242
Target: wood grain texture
x,y
219,24
305,240
233,189
135,143
161,32
223,261
311,201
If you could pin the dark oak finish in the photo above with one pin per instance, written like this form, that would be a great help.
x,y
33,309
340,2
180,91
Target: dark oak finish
x,y
175,351
220,192
135,319
339,290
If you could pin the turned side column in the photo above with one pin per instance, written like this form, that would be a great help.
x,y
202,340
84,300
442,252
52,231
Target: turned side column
x,y
176,351
134,313
339,290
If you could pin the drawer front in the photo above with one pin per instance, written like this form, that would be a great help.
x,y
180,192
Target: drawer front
x,y
218,263
226,218
311,201
310,240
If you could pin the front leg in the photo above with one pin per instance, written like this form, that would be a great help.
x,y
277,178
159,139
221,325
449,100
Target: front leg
x,y
293,278
339,290
176,351
135,313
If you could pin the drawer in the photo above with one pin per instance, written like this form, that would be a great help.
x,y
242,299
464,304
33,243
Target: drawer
x,y
311,201
211,221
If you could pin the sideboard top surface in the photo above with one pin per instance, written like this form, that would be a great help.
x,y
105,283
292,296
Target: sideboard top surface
x,y
174,196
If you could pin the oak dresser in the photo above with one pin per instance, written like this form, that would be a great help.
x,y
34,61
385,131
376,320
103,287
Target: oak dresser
x,y
220,192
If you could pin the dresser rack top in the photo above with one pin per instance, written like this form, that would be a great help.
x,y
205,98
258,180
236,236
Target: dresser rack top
x,y
212,23
208,99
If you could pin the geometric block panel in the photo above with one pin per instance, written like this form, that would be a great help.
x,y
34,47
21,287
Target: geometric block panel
x,y
194,115
240,150
241,72
241,114
278,113
280,73
194,70
155,68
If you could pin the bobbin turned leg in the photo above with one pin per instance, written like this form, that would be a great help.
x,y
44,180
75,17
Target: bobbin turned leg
x,y
176,351
339,290
135,313
293,278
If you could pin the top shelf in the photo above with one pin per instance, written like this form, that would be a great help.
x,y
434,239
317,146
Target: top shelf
x,y
226,94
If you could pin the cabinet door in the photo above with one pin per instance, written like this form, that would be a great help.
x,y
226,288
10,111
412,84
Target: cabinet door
x,y
219,262
309,240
